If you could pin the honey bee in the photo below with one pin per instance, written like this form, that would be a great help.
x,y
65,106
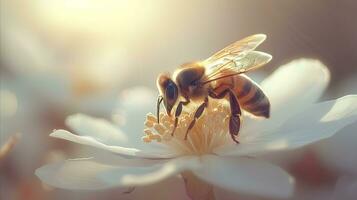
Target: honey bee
x,y
219,76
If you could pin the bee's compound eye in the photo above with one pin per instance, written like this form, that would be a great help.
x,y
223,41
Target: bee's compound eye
x,y
171,91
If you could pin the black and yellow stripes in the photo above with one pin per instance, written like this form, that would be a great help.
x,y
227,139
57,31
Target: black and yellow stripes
x,y
250,96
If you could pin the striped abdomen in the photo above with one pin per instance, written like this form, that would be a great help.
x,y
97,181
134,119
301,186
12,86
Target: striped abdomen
x,y
250,96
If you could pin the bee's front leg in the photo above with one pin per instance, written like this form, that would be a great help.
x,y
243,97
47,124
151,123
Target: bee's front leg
x,y
159,100
198,113
178,113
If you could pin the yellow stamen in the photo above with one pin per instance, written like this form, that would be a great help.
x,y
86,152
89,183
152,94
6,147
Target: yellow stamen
x,y
149,124
210,130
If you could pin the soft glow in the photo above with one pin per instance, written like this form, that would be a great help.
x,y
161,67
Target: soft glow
x,y
94,15
96,70
8,103
277,145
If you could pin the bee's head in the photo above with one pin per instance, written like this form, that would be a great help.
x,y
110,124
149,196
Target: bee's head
x,y
168,91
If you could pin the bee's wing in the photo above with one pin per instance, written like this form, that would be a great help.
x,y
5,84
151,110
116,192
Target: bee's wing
x,y
237,58
238,49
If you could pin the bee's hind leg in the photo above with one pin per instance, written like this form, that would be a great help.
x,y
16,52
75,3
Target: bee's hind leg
x,y
234,119
178,113
198,114
234,126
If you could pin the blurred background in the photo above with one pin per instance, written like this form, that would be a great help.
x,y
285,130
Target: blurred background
x,y
60,57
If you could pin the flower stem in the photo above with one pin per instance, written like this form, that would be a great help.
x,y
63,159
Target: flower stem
x,y
196,188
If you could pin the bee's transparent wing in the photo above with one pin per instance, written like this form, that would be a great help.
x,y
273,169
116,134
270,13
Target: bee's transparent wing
x,y
250,61
237,50
236,58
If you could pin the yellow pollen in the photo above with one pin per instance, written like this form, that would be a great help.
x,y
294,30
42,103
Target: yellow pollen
x,y
149,124
148,132
209,131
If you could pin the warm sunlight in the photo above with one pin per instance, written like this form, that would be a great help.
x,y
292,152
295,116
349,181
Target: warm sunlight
x,y
178,100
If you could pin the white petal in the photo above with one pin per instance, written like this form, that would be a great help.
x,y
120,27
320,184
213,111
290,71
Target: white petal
x,y
82,173
291,87
246,175
316,122
138,176
298,83
100,129
124,151
133,105
109,133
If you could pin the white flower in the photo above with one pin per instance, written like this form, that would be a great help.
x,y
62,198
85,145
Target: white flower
x,y
338,152
209,157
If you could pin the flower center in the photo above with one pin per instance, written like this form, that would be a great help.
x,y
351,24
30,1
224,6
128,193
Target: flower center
x,y
209,131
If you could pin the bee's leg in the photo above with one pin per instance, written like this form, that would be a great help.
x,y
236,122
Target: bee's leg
x,y
198,113
178,113
234,120
159,100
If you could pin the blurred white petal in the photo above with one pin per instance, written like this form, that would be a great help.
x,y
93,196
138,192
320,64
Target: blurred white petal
x,y
296,84
87,140
317,122
133,105
24,52
100,129
290,88
246,175
84,76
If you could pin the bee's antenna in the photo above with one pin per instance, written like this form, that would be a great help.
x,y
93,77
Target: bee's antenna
x,y
159,100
